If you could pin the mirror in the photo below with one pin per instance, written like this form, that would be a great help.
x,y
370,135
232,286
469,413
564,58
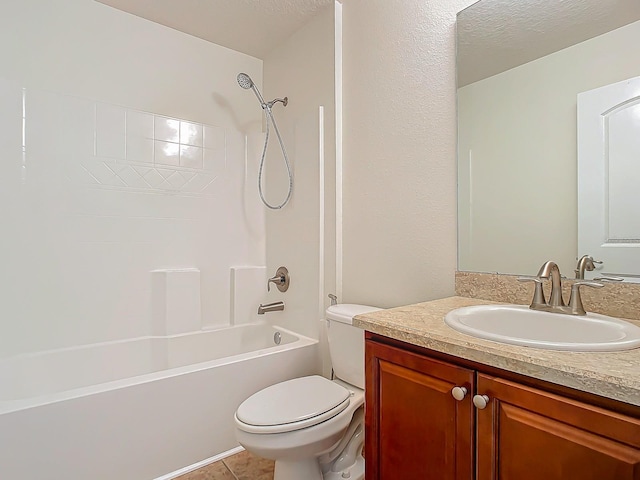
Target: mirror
x,y
521,65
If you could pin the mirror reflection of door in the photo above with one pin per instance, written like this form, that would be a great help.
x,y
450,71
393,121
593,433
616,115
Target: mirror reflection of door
x,y
521,65
609,177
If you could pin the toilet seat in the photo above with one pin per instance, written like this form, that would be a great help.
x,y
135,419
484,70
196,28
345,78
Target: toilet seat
x,y
292,405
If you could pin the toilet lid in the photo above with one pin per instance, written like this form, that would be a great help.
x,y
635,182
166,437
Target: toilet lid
x,y
294,404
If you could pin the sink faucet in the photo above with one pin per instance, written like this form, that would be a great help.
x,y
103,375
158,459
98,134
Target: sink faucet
x,y
550,269
586,263
270,307
556,301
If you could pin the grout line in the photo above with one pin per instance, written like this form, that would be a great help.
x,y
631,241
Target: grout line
x,y
230,471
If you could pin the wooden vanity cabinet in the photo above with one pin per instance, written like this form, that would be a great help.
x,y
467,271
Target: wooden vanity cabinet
x,y
415,429
527,433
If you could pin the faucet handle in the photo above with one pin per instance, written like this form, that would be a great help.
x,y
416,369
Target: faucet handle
x,y
609,278
575,301
586,283
281,280
529,278
538,294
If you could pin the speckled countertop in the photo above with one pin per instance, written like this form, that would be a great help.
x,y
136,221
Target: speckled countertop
x,y
613,375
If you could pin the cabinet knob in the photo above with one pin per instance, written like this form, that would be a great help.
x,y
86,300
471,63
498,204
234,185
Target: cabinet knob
x,y
480,401
459,393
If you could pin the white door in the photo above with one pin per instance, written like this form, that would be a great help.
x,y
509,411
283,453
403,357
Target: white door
x,y
609,177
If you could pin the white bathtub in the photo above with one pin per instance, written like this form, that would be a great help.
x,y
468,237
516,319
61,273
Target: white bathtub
x,y
137,409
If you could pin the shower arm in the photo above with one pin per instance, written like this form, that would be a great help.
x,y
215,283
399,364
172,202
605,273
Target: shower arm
x,y
284,101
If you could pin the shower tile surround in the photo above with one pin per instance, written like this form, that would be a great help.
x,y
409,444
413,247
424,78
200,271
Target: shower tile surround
x,y
116,193
615,299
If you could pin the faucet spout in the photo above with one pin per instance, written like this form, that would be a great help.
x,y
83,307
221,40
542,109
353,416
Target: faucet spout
x,y
550,270
586,263
270,307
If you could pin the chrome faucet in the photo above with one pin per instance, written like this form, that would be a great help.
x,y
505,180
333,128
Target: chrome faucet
x,y
586,263
556,301
270,307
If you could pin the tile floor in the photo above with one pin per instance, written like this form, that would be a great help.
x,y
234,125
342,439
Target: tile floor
x,y
241,466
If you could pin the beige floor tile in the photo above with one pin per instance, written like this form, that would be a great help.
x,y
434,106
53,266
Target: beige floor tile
x,y
215,471
247,466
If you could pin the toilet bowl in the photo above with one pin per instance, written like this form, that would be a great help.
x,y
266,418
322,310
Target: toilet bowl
x,y
298,441
311,426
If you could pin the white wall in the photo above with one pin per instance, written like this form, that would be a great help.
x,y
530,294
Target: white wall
x,y
399,150
302,68
81,228
518,133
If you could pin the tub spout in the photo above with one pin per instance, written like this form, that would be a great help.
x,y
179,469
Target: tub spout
x,y
270,307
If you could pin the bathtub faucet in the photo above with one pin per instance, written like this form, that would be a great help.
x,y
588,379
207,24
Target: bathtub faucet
x,y
270,307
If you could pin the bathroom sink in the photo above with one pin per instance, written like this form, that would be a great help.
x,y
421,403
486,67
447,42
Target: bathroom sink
x,y
519,325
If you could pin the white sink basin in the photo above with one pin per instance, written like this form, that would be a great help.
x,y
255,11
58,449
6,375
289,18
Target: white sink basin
x,y
519,325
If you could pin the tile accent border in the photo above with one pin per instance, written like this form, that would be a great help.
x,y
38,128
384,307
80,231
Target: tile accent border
x,y
615,299
114,147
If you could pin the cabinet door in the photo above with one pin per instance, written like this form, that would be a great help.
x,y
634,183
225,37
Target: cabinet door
x,y
415,429
525,433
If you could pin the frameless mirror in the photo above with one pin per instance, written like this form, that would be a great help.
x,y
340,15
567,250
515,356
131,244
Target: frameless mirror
x,y
522,69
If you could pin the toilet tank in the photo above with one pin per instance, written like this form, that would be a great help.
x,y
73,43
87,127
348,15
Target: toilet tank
x,y
346,342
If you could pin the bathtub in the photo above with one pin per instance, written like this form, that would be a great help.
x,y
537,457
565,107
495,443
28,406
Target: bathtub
x,y
138,409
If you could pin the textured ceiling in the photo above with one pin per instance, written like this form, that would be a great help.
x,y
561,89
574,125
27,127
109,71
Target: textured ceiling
x,y
253,27
497,35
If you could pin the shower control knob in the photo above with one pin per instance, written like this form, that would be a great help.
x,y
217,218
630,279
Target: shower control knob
x,y
480,401
280,280
459,393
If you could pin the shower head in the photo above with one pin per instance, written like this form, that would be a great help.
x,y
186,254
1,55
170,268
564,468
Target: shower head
x,y
245,81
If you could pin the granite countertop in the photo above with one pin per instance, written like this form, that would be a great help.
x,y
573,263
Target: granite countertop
x,y
613,375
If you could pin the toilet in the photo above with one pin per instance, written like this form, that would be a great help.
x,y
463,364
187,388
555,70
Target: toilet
x,y
313,427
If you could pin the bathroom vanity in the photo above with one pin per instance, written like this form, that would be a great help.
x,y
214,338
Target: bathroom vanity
x,y
444,405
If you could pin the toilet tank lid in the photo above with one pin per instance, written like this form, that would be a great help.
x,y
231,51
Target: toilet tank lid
x,y
344,312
